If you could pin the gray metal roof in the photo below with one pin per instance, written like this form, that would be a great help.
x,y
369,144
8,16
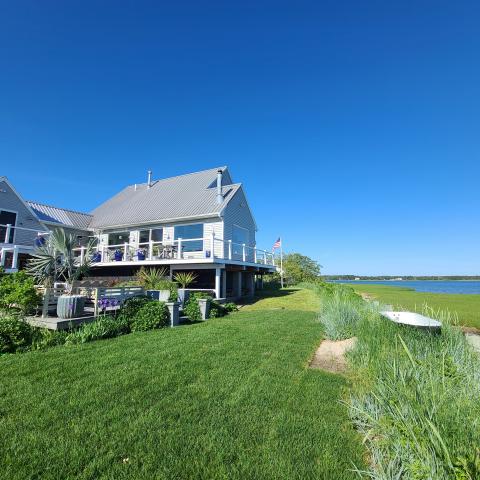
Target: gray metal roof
x,y
182,197
60,216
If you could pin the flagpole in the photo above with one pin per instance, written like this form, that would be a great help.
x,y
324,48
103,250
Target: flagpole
x,y
281,262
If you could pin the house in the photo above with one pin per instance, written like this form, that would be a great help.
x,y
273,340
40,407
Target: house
x,y
199,222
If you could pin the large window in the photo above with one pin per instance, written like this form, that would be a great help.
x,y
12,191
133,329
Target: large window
x,y
144,236
118,238
186,232
5,219
157,234
239,237
154,234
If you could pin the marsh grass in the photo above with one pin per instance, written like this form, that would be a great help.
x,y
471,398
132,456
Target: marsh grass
x,y
340,312
417,406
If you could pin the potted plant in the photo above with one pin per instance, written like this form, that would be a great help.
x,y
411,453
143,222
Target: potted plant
x,y
156,283
141,254
55,261
184,279
118,255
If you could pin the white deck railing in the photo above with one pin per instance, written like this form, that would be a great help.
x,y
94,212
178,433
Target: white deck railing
x,y
180,249
190,249
11,247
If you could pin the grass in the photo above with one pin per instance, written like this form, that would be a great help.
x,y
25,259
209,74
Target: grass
x,y
415,400
466,307
228,398
414,395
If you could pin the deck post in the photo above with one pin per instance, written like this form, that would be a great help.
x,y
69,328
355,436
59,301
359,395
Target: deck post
x,y
218,276
265,257
223,292
237,284
125,251
102,253
3,254
229,249
15,258
254,255
46,300
7,232
179,253
244,252
95,302
212,241
82,255
150,248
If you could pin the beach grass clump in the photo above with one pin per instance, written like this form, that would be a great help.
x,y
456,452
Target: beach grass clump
x,y
341,310
415,401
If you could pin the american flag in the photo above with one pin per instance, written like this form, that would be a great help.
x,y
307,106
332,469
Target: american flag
x,y
277,244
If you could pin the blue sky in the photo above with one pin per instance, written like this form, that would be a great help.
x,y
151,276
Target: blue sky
x,y
353,125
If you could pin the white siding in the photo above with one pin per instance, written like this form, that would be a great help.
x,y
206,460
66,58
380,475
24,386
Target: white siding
x,y
10,201
238,213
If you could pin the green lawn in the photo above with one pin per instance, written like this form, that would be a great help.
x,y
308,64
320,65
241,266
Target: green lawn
x,y
228,398
467,307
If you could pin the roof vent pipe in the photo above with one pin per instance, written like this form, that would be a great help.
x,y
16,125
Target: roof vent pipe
x,y
219,186
149,178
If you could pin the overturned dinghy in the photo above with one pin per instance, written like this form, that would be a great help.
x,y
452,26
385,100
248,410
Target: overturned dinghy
x,y
413,319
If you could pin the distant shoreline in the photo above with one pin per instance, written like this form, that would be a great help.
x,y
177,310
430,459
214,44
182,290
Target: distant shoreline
x,y
399,278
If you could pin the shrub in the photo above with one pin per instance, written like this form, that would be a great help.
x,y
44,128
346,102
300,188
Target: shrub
x,y
17,291
151,315
15,334
191,308
43,338
230,307
106,327
217,310
131,307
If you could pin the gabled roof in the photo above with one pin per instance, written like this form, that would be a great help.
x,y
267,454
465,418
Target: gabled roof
x,y
60,216
187,196
20,198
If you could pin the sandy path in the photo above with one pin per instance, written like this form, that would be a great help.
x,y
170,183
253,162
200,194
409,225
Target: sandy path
x,y
330,355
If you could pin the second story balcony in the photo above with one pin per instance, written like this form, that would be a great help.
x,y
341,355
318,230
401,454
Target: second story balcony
x,y
180,251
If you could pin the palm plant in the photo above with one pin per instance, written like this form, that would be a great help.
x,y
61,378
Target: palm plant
x,y
152,277
185,278
56,260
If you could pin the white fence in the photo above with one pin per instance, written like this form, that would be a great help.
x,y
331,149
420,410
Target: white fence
x,y
97,299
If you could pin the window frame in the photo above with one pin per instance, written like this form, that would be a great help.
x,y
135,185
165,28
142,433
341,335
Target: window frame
x,y
13,231
190,246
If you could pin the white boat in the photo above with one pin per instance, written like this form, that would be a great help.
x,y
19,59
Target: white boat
x,y
413,319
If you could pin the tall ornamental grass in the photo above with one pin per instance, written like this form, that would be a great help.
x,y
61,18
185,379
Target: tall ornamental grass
x,y
416,401
341,310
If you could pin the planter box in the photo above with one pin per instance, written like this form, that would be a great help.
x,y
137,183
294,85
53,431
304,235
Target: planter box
x,y
160,295
183,296
174,312
204,304
70,306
